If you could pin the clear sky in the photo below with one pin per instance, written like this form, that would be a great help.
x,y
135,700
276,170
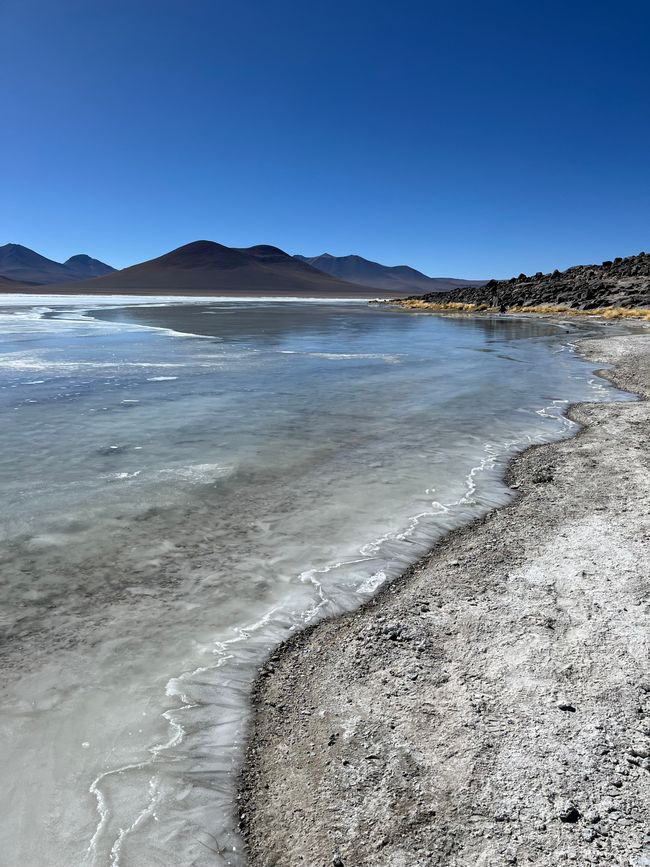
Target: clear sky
x,y
472,139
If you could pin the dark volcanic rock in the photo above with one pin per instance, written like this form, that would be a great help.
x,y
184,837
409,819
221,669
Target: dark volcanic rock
x,y
620,283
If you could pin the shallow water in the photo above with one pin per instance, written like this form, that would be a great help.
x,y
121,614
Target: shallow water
x,y
174,505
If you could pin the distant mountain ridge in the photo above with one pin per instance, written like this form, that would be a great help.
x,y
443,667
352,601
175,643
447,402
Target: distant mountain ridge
x,y
207,267
23,265
393,278
203,267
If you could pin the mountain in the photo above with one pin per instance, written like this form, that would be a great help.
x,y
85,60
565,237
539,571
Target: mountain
x,y
622,282
25,265
208,267
393,278
85,266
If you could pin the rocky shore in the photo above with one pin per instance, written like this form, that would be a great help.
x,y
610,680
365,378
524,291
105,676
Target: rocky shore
x,y
622,282
492,706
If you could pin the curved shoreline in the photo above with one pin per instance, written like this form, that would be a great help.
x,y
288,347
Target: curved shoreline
x,y
424,727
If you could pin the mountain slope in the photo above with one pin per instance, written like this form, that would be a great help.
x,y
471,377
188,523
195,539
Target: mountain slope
x,y
393,278
9,285
25,265
208,267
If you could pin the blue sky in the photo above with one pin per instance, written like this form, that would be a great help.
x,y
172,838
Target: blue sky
x,y
473,139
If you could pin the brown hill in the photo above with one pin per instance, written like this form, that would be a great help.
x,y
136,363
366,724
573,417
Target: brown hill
x,y
205,267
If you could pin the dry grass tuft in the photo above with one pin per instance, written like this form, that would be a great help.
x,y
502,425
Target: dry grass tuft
x,y
627,313
609,313
458,306
549,309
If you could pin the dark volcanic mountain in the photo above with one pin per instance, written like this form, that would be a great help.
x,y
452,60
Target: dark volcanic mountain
x,y
623,282
208,267
85,266
25,265
392,278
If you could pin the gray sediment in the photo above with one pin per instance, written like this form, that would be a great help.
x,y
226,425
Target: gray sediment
x,y
491,706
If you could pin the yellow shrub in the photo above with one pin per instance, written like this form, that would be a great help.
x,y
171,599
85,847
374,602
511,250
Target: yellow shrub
x,y
543,309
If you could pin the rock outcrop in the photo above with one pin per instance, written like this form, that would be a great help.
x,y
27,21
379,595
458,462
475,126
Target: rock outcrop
x,y
623,282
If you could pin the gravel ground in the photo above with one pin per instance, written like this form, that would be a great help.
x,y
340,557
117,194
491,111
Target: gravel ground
x,y
492,706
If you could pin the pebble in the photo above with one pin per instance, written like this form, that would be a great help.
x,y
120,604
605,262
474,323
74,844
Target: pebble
x,y
569,812
393,631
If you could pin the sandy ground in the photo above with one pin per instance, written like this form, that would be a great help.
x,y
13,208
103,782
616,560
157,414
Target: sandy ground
x,y
493,705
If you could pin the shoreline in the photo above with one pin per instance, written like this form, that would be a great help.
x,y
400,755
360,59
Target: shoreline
x,y
427,727
603,314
